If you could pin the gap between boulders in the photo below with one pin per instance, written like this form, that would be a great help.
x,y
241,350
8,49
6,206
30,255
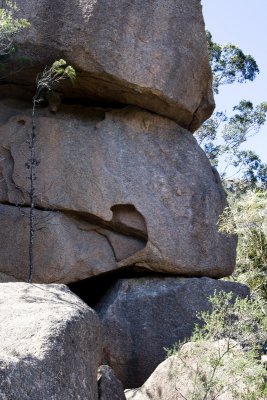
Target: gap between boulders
x,y
92,290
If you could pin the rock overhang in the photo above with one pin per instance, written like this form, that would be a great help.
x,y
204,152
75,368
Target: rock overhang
x,y
150,54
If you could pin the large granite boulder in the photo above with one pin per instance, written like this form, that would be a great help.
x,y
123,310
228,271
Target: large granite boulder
x,y
50,344
137,179
148,53
141,317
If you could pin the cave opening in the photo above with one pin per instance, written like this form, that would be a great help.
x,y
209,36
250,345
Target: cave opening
x,y
92,290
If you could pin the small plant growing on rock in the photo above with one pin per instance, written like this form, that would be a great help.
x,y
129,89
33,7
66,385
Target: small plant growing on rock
x,y
46,82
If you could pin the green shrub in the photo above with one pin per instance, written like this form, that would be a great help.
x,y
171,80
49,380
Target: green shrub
x,y
247,217
222,357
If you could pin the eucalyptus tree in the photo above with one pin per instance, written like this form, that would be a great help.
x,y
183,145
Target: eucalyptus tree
x,y
222,135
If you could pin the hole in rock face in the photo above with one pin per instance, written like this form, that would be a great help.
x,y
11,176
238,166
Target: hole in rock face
x,y
92,290
129,220
126,234
126,220
21,121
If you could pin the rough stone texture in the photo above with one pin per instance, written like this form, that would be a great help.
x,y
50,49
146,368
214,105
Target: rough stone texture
x,y
163,384
50,344
128,171
148,53
66,249
173,379
109,387
4,278
141,317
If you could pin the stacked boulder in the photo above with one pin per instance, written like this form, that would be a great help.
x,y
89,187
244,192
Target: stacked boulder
x,y
121,183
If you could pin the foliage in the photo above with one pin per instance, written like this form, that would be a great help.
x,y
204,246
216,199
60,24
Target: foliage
x,y
9,27
242,320
53,76
235,130
222,356
247,218
229,64
222,136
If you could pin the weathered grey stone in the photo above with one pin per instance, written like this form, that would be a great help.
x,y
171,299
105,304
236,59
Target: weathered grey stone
x,y
129,171
66,249
147,53
50,344
141,317
109,387
180,377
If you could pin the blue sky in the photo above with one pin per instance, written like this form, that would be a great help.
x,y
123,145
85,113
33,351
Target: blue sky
x,y
244,23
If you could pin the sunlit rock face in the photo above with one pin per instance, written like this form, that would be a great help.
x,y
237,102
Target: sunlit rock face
x,y
114,189
50,344
152,54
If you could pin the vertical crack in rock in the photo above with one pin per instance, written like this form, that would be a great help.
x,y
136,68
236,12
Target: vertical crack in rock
x,y
130,174
195,119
